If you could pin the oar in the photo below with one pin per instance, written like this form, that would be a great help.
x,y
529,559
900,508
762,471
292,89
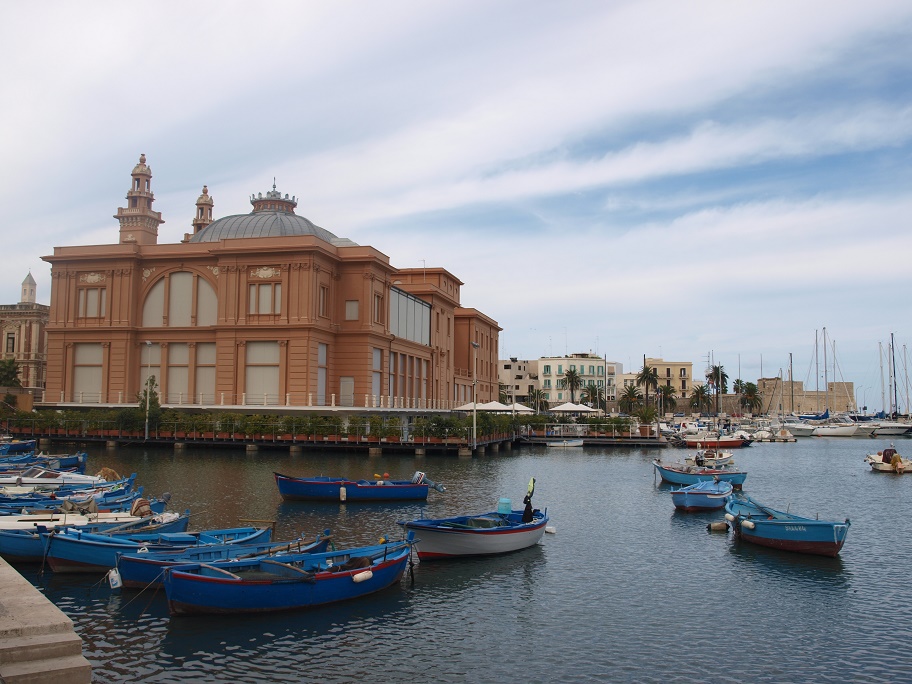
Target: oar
x,y
279,549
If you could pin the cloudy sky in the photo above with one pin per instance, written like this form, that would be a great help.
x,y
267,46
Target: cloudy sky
x,y
688,180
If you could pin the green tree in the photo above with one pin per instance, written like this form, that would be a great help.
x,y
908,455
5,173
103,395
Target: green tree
x,y
668,397
148,401
593,395
630,398
573,382
9,373
717,379
537,400
750,398
700,398
738,386
503,396
647,377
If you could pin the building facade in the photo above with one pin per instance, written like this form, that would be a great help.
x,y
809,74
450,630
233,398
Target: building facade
x,y
552,376
790,396
260,309
24,328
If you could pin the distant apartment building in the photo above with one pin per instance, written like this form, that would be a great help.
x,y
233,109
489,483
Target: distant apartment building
x,y
590,367
518,377
677,374
25,337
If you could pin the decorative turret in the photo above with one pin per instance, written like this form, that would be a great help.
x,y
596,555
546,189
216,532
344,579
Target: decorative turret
x,y
29,289
138,222
273,201
203,211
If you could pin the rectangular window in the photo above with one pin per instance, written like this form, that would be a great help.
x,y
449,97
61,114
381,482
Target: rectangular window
x,y
92,302
683,384
668,372
351,310
265,298
378,308
322,302
547,383
10,343
560,369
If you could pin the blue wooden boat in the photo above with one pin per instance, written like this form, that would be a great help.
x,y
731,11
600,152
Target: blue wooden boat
x,y
687,475
297,581
766,526
17,446
74,550
705,495
341,489
105,500
29,545
141,570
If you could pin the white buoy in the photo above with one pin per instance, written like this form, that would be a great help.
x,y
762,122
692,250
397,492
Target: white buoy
x,y
717,527
748,524
550,529
729,517
341,493
114,578
361,576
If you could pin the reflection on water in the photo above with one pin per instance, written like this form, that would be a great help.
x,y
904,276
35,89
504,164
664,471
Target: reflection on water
x,y
626,580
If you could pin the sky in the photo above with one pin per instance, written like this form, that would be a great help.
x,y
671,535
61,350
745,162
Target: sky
x,y
701,181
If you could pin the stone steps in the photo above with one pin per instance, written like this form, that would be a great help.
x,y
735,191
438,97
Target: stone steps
x,y
72,669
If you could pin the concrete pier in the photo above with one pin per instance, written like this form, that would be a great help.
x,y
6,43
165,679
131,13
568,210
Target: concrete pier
x,y
37,641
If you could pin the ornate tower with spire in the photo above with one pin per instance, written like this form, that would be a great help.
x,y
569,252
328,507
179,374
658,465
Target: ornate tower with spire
x,y
204,207
138,222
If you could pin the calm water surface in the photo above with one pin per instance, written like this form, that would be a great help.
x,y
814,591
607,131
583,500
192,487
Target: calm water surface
x,y
626,590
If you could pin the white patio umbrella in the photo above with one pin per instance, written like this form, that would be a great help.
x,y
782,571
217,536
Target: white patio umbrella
x,y
493,406
519,408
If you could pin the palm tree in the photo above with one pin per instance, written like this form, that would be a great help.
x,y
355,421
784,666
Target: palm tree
x,y
537,400
573,382
717,379
738,386
594,395
750,398
502,395
630,398
9,373
700,398
647,377
667,397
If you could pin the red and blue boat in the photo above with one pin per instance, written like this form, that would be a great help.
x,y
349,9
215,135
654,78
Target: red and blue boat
x,y
344,490
759,524
681,474
261,585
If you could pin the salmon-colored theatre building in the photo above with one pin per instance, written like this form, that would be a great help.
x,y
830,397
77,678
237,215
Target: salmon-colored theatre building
x,y
261,309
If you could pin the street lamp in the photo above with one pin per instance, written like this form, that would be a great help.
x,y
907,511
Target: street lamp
x,y
148,377
474,395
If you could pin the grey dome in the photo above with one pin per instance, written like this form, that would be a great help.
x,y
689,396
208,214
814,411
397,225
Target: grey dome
x,y
261,224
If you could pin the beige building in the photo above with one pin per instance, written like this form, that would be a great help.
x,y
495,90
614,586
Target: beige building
x,y
590,367
785,396
260,309
25,337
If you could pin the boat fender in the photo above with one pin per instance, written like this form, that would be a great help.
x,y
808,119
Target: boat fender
x,y
361,576
729,517
142,549
749,524
341,493
717,527
550,529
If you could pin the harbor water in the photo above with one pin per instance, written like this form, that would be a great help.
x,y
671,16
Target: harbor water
x,y
626,589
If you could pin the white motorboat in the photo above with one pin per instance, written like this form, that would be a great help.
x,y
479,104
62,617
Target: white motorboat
x,y
888,461
37,476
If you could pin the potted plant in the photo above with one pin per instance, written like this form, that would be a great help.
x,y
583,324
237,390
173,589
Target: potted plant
x,y
647,417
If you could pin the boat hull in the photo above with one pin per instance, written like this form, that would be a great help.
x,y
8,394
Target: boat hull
x,y
703,496
835,430
436,540
208,589
691,475
342,490
785,531
141,570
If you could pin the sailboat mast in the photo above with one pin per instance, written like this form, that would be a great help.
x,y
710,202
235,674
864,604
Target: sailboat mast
x,y
895,397
791,382
816,374
826,380
883,401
